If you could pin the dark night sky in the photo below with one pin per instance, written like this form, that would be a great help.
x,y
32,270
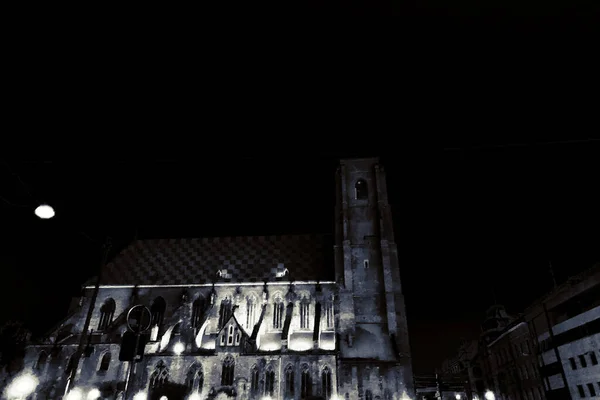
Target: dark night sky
x,y
471,219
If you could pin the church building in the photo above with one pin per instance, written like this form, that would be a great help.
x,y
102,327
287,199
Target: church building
x,y
254,317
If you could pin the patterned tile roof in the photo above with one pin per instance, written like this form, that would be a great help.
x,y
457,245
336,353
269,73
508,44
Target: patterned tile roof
x,y
225,259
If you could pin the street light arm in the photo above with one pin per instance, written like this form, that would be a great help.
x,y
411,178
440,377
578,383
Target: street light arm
x,y
88,319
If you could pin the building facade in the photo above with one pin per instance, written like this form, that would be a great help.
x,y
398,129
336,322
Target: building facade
x,y
565,327
282,317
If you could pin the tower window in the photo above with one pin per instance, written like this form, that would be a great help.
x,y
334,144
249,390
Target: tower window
x,y
250,312
289,381
329,315
305,383
254,380
230,336
366,264
361,191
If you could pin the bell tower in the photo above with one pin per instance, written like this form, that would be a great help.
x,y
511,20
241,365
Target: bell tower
x,y
372,320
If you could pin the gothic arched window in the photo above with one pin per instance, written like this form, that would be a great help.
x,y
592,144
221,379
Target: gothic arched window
x,y
250,312
158,310
197,312
305,313
160,376
329,315
254,380
289,381
195,378
227,374
326,382
105,362
224,311
360,190
269,382
278,313
107,311
42,360
305,382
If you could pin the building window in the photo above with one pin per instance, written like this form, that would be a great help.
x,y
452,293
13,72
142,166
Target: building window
x,y
305,382
581,391
230,336
278,314
360,190
160,376
289,381
573,363
250,313
254,380
227,374
269,382
197,312
366,264
224,312
329,315
326,382
195,378
582,361
593,358
368,395
305,314
157,310
237,337
592,389
42,360
107,311
105,362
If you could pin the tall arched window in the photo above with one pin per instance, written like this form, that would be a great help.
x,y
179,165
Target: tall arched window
x,y
224,311
107,311
278,313
289,381
105,362
42,360
160,376
157,309
329,315
197,312
305,313
326,382
195,378
360,190
269,382
250,312
305,382
254,380
228,368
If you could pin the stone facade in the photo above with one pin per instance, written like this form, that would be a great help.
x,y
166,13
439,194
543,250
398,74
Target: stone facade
x,y
251,317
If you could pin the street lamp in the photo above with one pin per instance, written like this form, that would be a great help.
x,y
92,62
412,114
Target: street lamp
x,y
22,386
489,395
44,211
457,396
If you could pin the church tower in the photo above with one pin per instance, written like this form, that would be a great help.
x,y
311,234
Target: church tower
x,y
374,347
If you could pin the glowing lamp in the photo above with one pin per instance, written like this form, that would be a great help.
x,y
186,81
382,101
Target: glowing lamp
x,y
93,394
22,386
178,348
74,394
457,396
194,396
489,395
44,211
140,396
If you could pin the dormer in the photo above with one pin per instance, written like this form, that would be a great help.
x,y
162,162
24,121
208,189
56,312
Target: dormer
x,y
231,335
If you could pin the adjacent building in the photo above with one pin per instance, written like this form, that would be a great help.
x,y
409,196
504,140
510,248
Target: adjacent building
x,y
285,317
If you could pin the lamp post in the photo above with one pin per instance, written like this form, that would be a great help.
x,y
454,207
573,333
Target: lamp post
x,y
77,356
